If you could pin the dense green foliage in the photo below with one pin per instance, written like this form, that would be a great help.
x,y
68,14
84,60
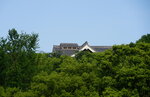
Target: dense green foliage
x,y
145,39
123,71
17,59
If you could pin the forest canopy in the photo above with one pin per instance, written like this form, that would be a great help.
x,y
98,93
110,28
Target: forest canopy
x,y
123,71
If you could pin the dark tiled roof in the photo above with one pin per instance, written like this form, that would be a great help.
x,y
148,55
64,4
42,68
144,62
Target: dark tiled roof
x,y
100,48
69,45
68,52
56,48
86,43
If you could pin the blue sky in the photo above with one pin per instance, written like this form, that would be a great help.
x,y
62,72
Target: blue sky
x,y
100,22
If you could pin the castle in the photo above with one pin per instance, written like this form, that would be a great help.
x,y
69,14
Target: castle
x,y
71,49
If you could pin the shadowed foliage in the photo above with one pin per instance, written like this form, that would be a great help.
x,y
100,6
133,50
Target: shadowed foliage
x,y
122,71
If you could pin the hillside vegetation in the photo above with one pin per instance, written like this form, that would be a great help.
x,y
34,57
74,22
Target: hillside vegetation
x,y
123,71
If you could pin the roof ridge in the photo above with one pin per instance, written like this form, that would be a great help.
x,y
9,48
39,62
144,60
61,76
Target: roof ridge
x,y
68,43
85,43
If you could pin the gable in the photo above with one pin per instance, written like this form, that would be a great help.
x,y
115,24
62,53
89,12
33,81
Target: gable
x,y
71,49
87,47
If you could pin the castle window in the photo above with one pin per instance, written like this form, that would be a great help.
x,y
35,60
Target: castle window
x,y
74,48
65,47
69,47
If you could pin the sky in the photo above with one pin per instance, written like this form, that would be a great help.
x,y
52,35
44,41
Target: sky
x,y
100,22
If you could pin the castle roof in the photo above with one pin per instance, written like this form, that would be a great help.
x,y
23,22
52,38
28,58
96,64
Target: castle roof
x,y
72,48
68,45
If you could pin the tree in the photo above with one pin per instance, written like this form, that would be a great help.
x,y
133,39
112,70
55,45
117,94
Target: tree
x,y
144,39
17,57
122,71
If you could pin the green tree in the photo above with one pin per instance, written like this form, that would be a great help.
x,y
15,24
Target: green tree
x,y
122,71
144,39
17,57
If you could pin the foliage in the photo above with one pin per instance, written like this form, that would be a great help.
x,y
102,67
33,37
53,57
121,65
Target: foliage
x,y
17,57
144,39
122,71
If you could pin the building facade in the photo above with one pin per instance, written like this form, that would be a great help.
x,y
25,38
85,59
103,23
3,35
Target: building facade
x,y
71,49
